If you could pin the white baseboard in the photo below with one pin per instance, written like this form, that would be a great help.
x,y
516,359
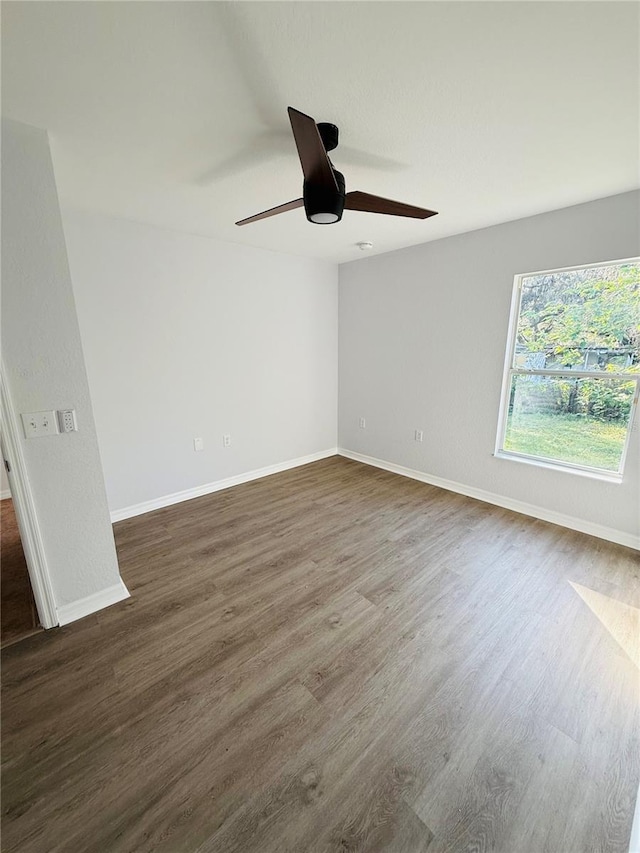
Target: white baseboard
x,y
217,486
4,495
92,603
634,844
599,530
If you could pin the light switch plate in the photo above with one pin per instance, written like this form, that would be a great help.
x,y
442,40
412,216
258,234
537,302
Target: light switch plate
x,y
198,445
38,424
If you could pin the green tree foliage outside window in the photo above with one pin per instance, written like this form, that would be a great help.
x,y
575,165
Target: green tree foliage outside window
x,y
585,322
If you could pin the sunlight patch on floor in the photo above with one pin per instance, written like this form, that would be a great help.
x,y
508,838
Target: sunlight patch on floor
x,y
621,620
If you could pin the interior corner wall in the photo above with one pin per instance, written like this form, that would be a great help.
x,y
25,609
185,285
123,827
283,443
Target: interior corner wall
x,y
43,359
422,339
4,483
190,337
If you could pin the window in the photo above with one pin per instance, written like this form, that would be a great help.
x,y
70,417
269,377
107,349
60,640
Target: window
x,y
570,387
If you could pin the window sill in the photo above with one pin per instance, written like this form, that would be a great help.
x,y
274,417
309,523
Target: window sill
x,y
607,476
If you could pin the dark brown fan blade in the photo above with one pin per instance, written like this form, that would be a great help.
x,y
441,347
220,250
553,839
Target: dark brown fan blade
x,y
273,211
313,157
374,204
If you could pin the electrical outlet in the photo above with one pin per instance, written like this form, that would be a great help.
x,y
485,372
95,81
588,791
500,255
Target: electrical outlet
x,y
418,435
362,423
67,420
37,424
198,445
226,441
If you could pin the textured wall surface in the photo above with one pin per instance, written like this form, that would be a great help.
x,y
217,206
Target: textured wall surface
x,y
188,336
423,333
44,363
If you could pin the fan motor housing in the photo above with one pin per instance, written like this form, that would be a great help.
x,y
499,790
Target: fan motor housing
x,y
324,206
328,134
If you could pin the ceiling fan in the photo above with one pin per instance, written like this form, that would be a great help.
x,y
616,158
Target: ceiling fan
x,y
323,194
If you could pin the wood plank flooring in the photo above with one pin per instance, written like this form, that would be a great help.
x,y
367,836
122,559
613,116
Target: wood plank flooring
x,y
334,659
18,615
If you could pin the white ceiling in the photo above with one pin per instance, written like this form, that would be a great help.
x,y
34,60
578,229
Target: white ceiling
x,y
175,113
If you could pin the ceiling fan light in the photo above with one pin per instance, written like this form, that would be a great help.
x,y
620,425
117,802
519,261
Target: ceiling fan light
x,y
324,218
323,205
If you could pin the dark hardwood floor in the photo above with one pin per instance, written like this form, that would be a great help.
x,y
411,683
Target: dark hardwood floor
x,y
334,659
18,616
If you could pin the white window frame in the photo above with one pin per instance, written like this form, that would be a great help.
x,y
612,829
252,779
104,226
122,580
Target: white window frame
x,y
510,371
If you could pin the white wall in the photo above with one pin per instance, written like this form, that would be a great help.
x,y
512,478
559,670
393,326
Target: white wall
x,y
44,364
188,336
422,343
